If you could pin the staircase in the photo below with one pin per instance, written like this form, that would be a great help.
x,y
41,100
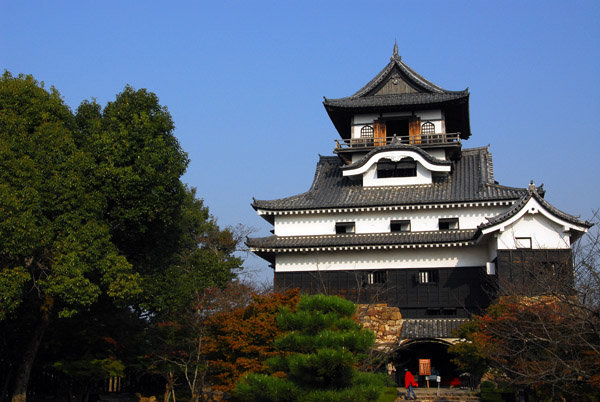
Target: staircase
x,y
446,395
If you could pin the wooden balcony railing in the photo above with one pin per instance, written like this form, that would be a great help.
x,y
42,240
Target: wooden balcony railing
x,y
419,140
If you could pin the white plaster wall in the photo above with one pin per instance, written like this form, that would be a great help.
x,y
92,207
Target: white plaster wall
x,y
379,222
544,233
446,257
365,118
492,248
437,153
429,114
360,120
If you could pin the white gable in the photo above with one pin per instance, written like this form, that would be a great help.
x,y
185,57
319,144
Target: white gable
x,y
534,227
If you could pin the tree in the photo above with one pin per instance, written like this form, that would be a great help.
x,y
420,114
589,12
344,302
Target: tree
x,y
543,335
138,166
240,341
177,345
56,254
320,349
93,219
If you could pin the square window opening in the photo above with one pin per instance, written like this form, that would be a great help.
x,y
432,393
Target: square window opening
x,y
404,168
400,226
375,278
523,242
429,276
448,224
344,227
449,311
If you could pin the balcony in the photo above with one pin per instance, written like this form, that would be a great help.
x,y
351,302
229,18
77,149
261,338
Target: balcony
x,y
423,140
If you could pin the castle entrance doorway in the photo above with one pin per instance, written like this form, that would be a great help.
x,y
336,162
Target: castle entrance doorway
x,y
436,351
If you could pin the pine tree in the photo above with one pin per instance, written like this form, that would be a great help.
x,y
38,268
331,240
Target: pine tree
x,y
319,352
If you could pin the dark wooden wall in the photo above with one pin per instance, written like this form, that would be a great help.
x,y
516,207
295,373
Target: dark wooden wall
x,y
531,272
457,292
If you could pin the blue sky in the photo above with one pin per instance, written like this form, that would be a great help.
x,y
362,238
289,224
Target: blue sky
x,y
244,81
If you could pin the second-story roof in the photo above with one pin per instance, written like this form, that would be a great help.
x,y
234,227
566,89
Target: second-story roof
x,y
470,180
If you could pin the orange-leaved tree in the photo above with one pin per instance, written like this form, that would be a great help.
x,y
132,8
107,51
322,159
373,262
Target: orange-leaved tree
x,y
539,344
239,341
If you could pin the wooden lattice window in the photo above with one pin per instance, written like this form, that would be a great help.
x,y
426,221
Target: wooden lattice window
x,y
429,276
366,132
427,128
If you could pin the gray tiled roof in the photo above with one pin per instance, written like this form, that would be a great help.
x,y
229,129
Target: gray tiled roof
x,y
395,100
471,180
416,78
432,328
380,239
426,91
408,91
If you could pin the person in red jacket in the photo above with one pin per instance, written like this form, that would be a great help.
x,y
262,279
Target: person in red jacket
x,y
409,382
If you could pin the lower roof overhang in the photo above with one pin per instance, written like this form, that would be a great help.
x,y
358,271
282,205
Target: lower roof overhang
x,y
268,247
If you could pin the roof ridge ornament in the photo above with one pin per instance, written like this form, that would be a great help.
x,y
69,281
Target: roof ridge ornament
x,y
395,55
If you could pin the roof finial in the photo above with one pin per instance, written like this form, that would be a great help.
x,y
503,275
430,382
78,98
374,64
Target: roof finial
x,y
396,55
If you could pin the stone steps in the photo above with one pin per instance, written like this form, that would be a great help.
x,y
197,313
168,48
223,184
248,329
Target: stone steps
x,y
446,395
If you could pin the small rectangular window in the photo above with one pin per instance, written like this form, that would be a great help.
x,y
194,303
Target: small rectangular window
x,y
523,242
396,169
344,227
449,311
376,278
400,226
448,223
429,276
433,311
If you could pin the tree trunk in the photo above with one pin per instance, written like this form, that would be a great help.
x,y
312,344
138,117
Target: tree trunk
x,y
24,371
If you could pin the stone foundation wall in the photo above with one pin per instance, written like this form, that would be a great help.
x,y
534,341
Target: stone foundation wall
x,y
385,321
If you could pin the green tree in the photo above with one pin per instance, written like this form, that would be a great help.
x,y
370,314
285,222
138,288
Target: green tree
x,y
138,166
95,222
322,346
56,252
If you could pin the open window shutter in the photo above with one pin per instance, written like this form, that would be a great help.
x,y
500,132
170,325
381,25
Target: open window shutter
x,y
379,132
414,130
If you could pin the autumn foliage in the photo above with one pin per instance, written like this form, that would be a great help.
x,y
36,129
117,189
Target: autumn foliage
x,y
538,343
239,341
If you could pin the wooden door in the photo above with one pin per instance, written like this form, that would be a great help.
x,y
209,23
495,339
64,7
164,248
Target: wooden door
x,y
379,133
414,130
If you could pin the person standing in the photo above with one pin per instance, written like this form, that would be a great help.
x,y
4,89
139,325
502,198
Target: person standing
x,y
409,382
391,370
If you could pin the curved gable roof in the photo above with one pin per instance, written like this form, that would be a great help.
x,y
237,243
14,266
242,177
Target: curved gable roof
x,y
536,193
398,87
394,146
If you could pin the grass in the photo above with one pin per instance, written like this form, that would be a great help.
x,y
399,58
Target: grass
x,y
389,395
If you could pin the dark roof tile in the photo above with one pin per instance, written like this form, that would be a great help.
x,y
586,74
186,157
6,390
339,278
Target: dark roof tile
x,y
433,328
471,180
395,100
367,239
